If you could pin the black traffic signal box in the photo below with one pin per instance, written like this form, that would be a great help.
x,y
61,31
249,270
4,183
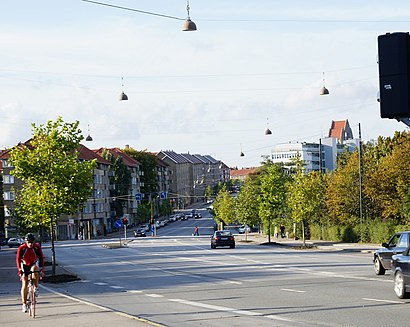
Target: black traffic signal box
x,y
394,75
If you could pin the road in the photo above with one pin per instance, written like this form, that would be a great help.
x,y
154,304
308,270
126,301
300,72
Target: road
x,y
180,281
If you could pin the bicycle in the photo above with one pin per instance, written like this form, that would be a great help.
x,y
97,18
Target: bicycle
x,y
31,295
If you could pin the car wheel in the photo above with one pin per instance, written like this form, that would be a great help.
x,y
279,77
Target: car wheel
x,y
399,287
378,267
213,246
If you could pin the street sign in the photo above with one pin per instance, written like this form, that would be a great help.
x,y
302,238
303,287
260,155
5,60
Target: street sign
x,y
138,196
163,195
117,224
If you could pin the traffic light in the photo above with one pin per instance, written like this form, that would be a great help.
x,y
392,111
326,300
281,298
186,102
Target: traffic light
x,y
125,221
394,75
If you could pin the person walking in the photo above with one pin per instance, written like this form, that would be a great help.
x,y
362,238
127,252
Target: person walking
x,y
196,231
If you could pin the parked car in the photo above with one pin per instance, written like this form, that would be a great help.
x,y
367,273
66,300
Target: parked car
x,y
184,217
401,273
15,242
172,218
188,215
197,215
244,229
222,238
140,232
397,244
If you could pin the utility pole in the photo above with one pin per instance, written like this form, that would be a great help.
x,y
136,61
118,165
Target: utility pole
x,y
360,185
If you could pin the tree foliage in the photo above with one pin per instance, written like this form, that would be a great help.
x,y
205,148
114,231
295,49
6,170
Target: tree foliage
x,y
224,207
148,163
272,197
247,203
55,182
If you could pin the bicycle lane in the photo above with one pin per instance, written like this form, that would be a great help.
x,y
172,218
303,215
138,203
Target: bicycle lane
x,y
53,306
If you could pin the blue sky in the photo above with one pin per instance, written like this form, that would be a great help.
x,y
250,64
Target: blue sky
x,y
250,65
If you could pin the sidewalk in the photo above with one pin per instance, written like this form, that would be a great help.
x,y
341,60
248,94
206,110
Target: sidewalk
x,y
53,306
310,244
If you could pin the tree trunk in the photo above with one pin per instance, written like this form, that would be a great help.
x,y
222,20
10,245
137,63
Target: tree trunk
x,y
53,251
303,233
269,232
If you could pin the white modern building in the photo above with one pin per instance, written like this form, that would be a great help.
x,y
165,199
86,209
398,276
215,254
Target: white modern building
x,y
321,155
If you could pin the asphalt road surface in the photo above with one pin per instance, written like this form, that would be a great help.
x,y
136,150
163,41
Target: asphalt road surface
x,y
181,281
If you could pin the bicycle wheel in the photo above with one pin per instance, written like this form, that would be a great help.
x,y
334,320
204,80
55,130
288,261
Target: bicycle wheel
x,y
32,301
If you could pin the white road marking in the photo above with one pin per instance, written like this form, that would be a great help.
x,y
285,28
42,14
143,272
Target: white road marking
x,y
116,287
134,291
154,295
234,282
227,309
385,301
100,283
290,290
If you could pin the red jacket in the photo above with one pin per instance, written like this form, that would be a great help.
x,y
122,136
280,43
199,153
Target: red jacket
x,y
28,256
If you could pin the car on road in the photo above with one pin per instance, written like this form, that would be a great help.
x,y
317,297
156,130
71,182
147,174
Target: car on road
x,y
15,242
222,238
172,218
382,258
400,266
244,229
197,215
145,227
140,232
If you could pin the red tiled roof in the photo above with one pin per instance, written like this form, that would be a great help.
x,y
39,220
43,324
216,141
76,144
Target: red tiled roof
x,y
242,172
337,128
85,153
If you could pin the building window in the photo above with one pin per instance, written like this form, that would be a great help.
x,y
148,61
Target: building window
x,y
8,195
6,163
6,211
8,179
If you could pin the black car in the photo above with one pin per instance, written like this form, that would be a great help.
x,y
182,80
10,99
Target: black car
x,y
401,272
140,232
222,238
397,244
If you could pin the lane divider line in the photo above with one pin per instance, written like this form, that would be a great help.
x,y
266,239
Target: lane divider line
x,y
385,301
103,308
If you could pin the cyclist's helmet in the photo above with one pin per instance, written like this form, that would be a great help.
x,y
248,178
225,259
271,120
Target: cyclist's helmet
x,y
30,237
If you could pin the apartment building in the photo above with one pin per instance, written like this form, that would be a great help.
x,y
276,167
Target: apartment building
x,y
124,194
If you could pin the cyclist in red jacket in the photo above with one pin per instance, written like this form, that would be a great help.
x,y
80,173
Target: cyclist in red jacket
x,y
29,257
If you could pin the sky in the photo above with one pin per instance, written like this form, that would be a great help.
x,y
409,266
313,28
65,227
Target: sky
x,y
251,65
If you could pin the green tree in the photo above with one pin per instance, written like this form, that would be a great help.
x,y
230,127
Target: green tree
x,y
148,163
272,196
247,204
342,196
208,193
55,181
306,199
224,207
389,184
